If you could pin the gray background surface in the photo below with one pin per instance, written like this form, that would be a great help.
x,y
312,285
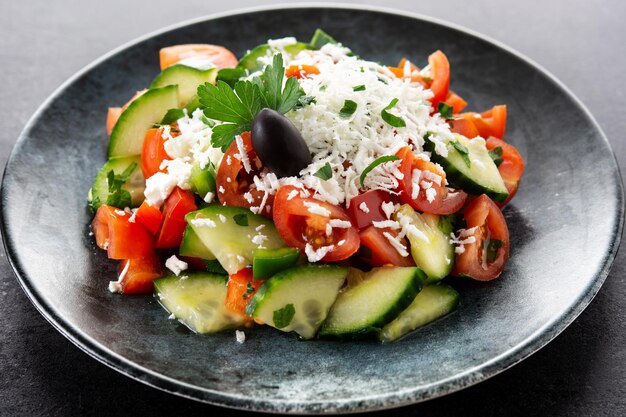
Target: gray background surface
x,y
582,372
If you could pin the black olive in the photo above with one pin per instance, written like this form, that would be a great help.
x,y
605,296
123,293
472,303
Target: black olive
x,y
279,144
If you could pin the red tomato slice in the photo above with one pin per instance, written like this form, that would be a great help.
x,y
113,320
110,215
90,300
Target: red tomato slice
x,y
511,168
379,251
373,201
299,227
301,71
442,202
484,259
176,206
464,126
218,55
136,275
241,288
236,186
150,217
456,102
440,74
121,238
153,152
488,123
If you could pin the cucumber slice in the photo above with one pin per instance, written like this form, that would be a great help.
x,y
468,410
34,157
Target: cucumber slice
x,y
192,105
298,299
251,61
192,246
370,304
130,130
198,300
187,78
433,302
230,233
321,38
135,184
470,168
268,262
435,257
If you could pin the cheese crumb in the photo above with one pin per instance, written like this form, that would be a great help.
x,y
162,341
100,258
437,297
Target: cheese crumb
x,y
240,336
203,223
315,208
363,207
175,265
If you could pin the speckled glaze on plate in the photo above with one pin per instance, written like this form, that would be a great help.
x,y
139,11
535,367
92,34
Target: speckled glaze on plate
x,y
561,250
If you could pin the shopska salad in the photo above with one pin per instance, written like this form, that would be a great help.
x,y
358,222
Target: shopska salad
x,y
305,188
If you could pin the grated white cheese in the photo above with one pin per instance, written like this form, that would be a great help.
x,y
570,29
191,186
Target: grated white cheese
x,y
243,154
383,224
116,286
315,208
388,208
397,245
240,336
175,265
222,218
315,255
363,207
208,198
203,223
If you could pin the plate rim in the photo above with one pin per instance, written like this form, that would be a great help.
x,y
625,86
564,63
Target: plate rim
x,y
531,344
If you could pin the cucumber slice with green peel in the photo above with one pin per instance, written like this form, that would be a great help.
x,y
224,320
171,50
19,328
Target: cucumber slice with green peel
x,y
321,38
252,62
267,262
432,303
198,300
372,303
135,184
186,78
192,105
203,179
298,299
469,167
233,234
434,256
140,115
192,246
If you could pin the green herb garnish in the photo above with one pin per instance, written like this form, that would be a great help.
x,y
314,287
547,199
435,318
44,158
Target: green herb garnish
x,y
374,164
445,111
230,75
282,317
463,151
215,267
496,155
391,119
249,290
241,219
305,101
172,115
324,172
237,106
118,197
359,88
348,109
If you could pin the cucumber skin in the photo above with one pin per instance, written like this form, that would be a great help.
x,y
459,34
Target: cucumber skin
x,y
460,180
419,278
437,287
250,60
122,122
269,284
172,76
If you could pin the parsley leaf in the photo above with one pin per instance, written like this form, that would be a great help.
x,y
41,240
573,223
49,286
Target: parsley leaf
x,y
283,316
305,101
391,119
119,197
230,75
237,106
374,164
324,172
359,88
496,155
463,151
445,110
348,109
171,116
215,267
241,219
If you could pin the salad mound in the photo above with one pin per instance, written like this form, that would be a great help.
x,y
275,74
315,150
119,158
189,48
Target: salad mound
x,y
305,188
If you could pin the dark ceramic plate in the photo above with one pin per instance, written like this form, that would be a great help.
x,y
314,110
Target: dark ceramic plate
x,y
561,249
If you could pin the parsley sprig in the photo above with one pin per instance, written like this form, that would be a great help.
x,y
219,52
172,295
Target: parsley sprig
x,y
237,106
118,197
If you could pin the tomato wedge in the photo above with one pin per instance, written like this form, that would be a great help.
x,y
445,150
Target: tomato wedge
x,y
367,207
456,102
235,185
176,206
136,275
441,200
153,152
121,238
301,71
377,251
240,289
485,257
305,222
440,74
150,217
511,168
218,55
112,115
488,123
